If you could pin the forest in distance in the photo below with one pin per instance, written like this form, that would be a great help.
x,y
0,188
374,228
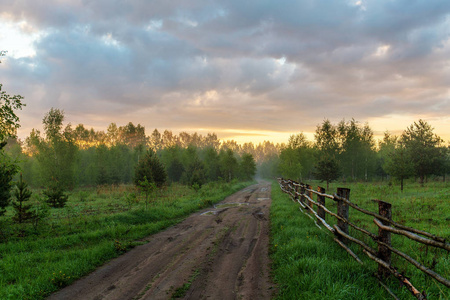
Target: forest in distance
x,y
346,151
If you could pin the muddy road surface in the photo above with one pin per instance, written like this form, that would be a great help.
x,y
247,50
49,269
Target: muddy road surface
x,y
217,253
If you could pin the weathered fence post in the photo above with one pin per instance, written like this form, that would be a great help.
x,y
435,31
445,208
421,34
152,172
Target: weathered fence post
x,y
290,185
295,193
384,210
302,192
321,200
310,195
342,211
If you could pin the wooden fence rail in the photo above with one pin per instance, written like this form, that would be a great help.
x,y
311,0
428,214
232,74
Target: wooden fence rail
x,y
303,195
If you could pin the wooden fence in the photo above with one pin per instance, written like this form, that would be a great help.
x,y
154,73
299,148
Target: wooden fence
x,y
303,194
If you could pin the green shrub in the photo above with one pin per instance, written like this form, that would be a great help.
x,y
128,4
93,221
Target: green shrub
x,y
55,196
22,194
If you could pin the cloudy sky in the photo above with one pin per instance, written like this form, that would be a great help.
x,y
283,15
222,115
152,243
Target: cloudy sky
x,y
248,70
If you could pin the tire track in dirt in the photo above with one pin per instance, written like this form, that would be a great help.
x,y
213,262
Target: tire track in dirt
x,y
218,253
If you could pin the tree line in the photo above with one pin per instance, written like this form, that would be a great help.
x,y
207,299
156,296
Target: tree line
x,y
348,151
80,157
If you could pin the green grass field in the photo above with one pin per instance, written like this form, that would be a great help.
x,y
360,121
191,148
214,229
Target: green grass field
x,y
96,225
308,264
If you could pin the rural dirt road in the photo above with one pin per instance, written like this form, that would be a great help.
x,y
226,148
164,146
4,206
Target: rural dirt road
x,y
217,253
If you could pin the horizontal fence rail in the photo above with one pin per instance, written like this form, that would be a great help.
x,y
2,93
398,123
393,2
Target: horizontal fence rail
x,y
303,195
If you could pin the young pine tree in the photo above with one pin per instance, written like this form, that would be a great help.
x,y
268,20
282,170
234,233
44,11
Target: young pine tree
x,y
55,195
151,169
22,194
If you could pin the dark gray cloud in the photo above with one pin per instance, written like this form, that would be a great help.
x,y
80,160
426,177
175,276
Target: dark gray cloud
x,y
268,65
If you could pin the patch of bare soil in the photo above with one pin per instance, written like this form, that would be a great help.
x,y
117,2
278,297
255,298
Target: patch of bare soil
x,y
217,253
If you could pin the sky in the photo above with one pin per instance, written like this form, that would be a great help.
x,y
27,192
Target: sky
x,y
247,70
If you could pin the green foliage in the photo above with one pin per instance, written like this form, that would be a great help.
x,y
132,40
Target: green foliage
x,y
55,195
228,164
181,291
212,163
131,199
305,152
326,137
56,153
9,121
120,247
290,166
195,173
328,169
247,167
297,159
22,194
147,187
132,135
357,149
175,170
53,123
7,171
416,152
196,187
386,146
103,168
350,144
423,148
198,178
442,166
151,169
399,163
39,214
171,157
194,168
60,279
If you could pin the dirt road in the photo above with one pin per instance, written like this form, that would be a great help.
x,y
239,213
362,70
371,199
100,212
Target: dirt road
x,y
218,253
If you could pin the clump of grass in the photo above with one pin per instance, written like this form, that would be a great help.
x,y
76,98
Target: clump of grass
x,y
60,279
121,247
181,291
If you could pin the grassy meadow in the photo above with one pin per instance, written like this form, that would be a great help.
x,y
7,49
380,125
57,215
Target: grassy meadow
x,y
308,264
96,225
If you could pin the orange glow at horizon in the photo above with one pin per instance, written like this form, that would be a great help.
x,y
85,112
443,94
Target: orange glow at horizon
x,y
394,124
